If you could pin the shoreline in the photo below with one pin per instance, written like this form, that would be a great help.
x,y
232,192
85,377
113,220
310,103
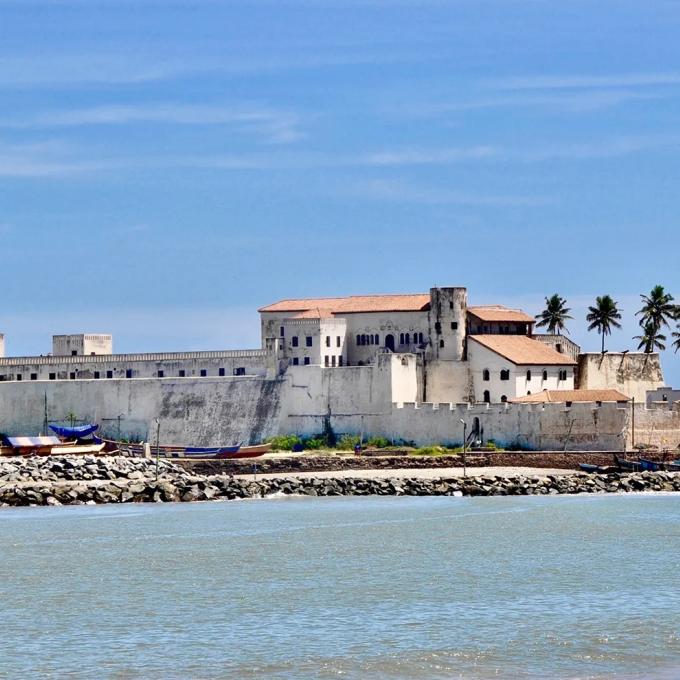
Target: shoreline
x,y
100,480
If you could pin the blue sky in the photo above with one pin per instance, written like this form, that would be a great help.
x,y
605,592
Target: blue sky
x,y
166,167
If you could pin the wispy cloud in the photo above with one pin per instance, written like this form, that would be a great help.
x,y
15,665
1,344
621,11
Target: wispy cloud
x,y
274,126
586,81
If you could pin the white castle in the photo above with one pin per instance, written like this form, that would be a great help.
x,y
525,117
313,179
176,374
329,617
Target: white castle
x,y
409,367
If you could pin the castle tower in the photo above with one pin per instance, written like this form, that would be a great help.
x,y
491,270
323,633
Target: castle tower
x,y
447,320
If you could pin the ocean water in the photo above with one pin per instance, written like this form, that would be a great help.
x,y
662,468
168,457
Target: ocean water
x,y
537,587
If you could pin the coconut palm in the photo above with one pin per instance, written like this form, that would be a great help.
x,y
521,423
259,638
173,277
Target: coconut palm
x,y
554,315
657,309
651,339
604,316
676,342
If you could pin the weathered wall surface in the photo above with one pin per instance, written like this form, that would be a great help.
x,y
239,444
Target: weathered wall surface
x,y
448,381
532,426
633,373
201,412
659,426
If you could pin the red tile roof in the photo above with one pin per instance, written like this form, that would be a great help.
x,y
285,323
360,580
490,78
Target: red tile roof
x,y
561,396
500,313
354,304
522,350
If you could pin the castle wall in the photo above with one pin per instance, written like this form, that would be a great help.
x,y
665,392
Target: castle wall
x,y
246,362
633,373
447,381
200,412
659,426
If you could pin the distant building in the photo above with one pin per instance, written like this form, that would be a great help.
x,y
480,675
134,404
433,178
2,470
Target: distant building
x,y
83,344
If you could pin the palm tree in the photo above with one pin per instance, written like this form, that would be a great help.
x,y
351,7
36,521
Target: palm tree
x,y
554,315
657,309
676,342
652,339
604,316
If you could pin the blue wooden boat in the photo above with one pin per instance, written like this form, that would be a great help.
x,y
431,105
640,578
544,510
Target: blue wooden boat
x,y
651,465
588,467
207,452
74,431
627,465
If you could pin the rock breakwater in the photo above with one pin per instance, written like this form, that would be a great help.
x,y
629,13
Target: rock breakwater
x,y
90,480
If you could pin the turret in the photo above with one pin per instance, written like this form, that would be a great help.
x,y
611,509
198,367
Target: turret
x,y
447,316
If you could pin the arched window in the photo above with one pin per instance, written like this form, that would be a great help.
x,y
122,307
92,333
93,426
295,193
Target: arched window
x,y
505,374
528,392
358,339
504,399
377,339
545,375
486,375
487,397
401,338
420,338
407,339
528,375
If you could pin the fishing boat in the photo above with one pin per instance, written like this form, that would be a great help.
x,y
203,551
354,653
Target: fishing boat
x,y
47,446
627,465
248,451
655,466
74,431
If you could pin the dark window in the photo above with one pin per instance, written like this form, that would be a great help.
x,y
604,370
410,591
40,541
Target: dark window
x,y
441,343
161,374
377,339
358,339
333,360
558,347
306,361
437,327
504,399
182,373
338,341
241,370
294,341
545,375
364,339
340,360
74,352
92,354
407,338
451,305
34,376
128,373
325,360
528,375
221,372
72,376
328,341
296,361
487,397
204,373
420,338
19,376
109,374
454,325
486,375
505,374
562,375
402,338
568,404
96,375
53,376
308,340
282,331
479,329
528,392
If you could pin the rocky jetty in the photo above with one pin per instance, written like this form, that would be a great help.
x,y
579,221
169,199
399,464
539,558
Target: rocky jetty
x,y
93,480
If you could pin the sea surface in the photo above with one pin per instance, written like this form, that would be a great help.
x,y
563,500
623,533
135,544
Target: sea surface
x,y
537,587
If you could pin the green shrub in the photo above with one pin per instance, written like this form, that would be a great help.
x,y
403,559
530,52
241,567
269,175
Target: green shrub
x,y
347,442
430,451
284,442
379,442
314,443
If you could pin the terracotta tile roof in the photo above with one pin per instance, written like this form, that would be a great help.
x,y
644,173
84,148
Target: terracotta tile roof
x,y
500,313
522,350
560,396
355,304
315,313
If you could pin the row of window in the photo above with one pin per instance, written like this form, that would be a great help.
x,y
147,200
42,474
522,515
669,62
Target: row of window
x,y
438,327
96,375
487,397
371,339
405,338
505,374
295,341
338,341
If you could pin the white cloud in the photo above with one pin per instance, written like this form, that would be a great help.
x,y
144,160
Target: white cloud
x,y
274,126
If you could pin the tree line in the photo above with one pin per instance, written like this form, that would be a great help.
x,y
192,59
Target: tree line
x,y
657,313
